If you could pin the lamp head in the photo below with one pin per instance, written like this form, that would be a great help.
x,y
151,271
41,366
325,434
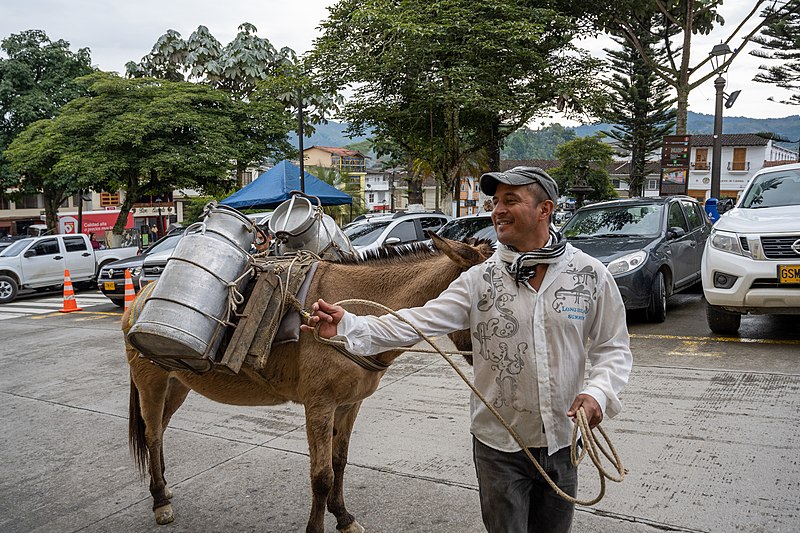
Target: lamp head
x,y
719,54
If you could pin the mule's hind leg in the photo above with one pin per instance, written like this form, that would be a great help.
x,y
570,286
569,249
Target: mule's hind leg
x,y
176,395
149,411
343,422
319,430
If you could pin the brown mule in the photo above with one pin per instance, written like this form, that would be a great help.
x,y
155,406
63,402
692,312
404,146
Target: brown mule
x,y
330,386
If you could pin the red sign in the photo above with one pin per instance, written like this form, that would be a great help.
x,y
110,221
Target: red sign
x,y
97,222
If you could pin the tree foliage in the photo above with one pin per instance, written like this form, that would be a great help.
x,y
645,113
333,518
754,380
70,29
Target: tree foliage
x,y
443,82
526,143
679,21
589,155
640,106
140,136
248,68
780,43
36,79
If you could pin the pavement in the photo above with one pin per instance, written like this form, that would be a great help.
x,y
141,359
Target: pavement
x,y
710,443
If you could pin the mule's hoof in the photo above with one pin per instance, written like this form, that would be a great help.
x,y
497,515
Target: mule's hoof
x,y
167,493
164,514
355,527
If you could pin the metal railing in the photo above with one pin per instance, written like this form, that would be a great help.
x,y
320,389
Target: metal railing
x,y
739,166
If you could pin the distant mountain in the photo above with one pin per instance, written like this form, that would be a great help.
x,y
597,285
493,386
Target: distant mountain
x,y
788,127
330,134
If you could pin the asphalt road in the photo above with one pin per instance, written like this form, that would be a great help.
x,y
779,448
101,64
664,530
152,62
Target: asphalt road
x,y
709,438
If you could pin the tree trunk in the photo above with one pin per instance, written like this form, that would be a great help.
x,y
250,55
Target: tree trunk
x,y
683,109
131,193
493,148
52,200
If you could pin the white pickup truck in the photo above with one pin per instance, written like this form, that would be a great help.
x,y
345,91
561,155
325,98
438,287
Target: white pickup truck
x,y
39,262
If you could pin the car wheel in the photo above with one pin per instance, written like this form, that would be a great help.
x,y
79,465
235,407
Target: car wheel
x,y
118,303
722,321
657,309
8,289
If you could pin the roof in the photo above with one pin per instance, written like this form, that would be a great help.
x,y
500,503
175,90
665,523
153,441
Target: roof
x,y
335,150
731,139
615,168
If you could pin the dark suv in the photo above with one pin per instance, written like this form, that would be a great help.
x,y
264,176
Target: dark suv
x,y
652,246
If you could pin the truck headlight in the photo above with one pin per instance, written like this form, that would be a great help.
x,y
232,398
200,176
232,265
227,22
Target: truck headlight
x,y
627,263
725,241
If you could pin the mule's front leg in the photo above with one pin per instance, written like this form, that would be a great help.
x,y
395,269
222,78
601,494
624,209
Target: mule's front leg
x,y
319,430
343,422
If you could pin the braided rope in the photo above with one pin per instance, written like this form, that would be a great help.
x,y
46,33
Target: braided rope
x,y
590,445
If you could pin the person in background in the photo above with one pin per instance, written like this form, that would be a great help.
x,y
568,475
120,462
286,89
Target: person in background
x,y
536,310
95,244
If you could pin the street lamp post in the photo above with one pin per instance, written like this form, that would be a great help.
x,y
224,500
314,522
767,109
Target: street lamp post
x,y
718,55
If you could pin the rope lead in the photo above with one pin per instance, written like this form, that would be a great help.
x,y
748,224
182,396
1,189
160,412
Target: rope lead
x,y
590,444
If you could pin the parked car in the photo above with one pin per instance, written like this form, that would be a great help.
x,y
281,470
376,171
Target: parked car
x,y
39,262
111,280
469,227
402,227
156,260
652,246
751,262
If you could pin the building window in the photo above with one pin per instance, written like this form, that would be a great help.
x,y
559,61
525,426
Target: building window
x,y
371,198
247,178
701,159
615,183
4,202
652,184
30,201
108,199
739,159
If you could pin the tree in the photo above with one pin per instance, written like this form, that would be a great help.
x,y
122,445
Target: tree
x,y
679,20
36,79
640,106
444,82
139,136
782,37
250,69
590,155
526,143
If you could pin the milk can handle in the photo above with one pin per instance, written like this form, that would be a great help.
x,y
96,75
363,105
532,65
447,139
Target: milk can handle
x,y
309,196
193,227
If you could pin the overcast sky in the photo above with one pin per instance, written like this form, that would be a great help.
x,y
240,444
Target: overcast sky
x,y
118,32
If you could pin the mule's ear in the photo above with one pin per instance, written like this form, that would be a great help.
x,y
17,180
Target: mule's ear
x,y
463,254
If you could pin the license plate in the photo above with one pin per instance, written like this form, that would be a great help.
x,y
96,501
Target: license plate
x,y
109,286
788,274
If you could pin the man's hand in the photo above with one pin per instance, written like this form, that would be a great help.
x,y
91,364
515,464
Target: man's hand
x,y
590,406
327,316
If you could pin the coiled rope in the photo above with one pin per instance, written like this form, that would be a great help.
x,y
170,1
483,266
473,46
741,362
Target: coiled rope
x,y
591,446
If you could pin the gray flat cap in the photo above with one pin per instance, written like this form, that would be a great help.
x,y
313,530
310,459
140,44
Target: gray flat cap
x,y
520,176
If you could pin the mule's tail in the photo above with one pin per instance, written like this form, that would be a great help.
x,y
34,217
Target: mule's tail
x,y
136,438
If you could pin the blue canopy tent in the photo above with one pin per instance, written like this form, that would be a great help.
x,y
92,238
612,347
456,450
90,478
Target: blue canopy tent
x,y
274,186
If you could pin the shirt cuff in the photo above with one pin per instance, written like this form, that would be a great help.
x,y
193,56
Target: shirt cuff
x,y
598,395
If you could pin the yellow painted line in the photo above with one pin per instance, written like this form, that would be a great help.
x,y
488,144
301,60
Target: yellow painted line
x,y
741,340
690,348
56,313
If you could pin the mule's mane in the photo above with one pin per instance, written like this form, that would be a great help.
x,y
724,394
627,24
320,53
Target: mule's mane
x,y
392,255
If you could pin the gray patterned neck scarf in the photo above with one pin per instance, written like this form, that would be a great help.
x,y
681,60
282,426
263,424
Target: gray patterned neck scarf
x,y
523,265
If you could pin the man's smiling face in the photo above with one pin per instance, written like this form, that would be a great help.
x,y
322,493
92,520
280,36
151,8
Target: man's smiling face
x,y
516,217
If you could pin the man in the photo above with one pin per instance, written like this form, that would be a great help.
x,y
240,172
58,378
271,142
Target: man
x,y
532,309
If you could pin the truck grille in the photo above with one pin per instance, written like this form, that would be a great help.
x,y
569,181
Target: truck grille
x,y
780,247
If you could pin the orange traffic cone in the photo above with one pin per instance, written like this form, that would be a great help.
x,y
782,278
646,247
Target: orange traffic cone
x,y
70,304
130,294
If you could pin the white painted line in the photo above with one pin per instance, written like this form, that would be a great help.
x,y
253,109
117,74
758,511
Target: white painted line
x,y
21,309
5,316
